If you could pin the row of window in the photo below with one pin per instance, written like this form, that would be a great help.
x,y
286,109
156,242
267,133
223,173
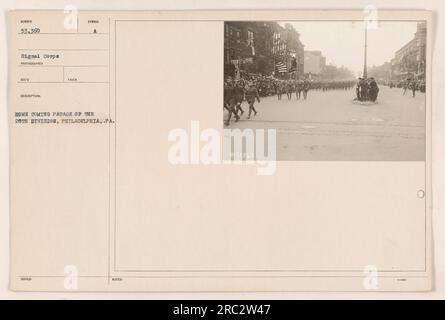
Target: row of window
x,y
231,31
279,46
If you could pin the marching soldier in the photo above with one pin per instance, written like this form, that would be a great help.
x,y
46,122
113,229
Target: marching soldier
x,y
280,89
229,101
413,87
306,87
298,89
251,95
238,92
289,88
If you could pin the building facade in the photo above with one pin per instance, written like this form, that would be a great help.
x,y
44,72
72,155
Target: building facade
x,y
257,47
410,60
314,63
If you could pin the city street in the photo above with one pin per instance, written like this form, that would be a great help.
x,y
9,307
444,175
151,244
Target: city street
x,y
332,126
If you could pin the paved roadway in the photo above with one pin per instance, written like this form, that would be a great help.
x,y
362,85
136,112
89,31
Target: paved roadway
x,y
331,126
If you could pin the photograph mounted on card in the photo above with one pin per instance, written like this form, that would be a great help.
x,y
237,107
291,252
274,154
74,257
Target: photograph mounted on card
x,y
272,150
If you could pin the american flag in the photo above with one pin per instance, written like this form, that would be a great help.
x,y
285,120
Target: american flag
x,y
281,67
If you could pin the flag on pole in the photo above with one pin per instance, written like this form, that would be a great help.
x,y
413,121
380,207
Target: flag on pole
x,y
294,65
281,67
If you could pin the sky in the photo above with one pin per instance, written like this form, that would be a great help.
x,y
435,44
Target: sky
x,y
342,43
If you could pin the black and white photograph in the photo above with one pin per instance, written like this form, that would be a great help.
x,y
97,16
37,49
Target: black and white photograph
x,y
332,90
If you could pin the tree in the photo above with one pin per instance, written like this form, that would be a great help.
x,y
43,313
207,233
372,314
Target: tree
x,y
331,72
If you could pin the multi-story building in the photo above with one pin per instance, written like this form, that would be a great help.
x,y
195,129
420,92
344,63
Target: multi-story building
x,y
258,47
287,48
410,60
314,63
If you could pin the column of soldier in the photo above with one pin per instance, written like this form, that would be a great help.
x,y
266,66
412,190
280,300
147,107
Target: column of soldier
x,y
252,88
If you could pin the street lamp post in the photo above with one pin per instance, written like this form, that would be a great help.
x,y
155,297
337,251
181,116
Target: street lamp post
x,y
365,69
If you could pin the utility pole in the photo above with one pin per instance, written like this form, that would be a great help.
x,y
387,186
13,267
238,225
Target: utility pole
x,y
365,68
274,49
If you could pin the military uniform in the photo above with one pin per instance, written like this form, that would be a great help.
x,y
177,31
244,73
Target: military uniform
x,y
306,87
413,87
298,88
238,92
289,88
279,89
230,102
373,90
361,89
251,95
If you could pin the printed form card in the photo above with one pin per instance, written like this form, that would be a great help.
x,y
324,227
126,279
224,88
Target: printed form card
x,y
220,150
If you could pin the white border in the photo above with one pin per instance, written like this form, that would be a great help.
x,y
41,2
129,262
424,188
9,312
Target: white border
x,y
438,131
